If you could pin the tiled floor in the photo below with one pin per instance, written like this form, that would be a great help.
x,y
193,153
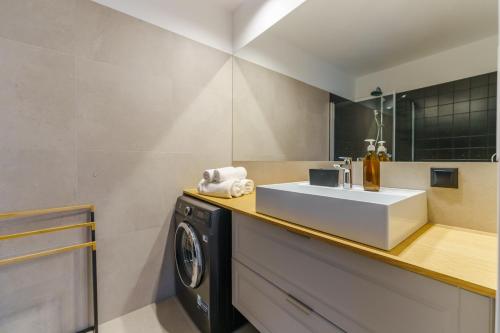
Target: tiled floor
x,y
165,317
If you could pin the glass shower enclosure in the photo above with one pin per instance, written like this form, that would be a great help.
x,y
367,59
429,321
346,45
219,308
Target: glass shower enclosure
x,y
354,122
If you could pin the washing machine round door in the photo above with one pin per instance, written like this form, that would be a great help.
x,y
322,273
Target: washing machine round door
x,y
188,255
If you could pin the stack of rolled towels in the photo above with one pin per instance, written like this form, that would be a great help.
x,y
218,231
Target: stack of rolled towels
x,y
228,182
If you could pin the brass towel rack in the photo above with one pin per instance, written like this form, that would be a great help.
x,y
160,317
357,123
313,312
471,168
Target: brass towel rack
x,y
90,209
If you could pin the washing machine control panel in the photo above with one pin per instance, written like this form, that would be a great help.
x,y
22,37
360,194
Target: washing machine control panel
x,y
191,211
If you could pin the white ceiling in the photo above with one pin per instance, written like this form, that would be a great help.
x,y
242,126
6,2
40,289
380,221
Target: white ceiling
x,y
364,36
229,5
206,21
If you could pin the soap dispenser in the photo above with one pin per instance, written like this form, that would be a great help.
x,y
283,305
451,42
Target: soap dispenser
x,y
371,169
382,152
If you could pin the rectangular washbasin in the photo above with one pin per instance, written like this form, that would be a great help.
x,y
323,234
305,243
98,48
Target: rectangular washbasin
x,y
380,219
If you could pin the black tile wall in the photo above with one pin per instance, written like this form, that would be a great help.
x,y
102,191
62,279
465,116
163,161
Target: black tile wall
x,y
461,95
453,121
354,122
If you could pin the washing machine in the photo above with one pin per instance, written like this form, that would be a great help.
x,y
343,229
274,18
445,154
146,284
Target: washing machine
x,y
203,265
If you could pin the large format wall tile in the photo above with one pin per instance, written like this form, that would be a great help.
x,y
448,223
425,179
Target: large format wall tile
x,y
46,295
125,188
36,179
37,97
276,117
199,122
45,23
123,115
473,205
121,109
214,72
130,271
109,36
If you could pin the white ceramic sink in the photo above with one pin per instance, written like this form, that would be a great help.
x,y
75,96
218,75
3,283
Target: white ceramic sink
x,y
380,219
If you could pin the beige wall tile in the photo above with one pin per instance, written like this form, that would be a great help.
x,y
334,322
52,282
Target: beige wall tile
x,y
36,179
37,96
106,35
126,121
135,275
45,23
213,73
125,188
121,109
276,117
42,295
200,122
473,205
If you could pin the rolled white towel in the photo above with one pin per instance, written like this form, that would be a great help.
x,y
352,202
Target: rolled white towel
x,y
223,174
248,186
229,189
208,175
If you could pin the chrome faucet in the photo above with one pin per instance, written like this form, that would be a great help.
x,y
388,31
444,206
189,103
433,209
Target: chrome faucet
x,y
346,167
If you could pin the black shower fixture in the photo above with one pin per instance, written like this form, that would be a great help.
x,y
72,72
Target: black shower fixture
x,y
377,92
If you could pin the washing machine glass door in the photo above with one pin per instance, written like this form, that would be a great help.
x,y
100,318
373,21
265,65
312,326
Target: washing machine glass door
x,y
188,255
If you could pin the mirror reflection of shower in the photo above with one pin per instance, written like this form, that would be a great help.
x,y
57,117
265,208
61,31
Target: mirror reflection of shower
x,y
379,115
370,117
452,121
380,125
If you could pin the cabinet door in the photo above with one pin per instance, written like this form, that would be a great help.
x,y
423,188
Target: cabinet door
x,y
476,313
357,293
271,310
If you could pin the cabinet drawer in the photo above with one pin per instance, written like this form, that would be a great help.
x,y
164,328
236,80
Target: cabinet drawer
x,y
271,310
355,292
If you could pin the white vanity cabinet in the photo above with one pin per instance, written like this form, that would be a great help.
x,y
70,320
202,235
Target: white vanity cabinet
x,y
271,309
285,282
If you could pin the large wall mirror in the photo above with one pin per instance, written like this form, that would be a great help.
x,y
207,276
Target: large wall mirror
x,y
331,74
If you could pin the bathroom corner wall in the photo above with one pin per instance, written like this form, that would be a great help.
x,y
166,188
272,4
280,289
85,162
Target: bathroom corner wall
x,y
277,117
473,205
99,107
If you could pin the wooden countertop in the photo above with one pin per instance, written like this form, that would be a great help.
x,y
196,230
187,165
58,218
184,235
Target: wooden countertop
x,y
461,257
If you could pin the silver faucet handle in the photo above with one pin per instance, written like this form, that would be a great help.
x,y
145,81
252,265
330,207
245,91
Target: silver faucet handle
x,y
347,160
347,181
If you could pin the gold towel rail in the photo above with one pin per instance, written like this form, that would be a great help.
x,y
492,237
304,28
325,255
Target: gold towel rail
x,y
46,211
90,225
45,253
49,211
